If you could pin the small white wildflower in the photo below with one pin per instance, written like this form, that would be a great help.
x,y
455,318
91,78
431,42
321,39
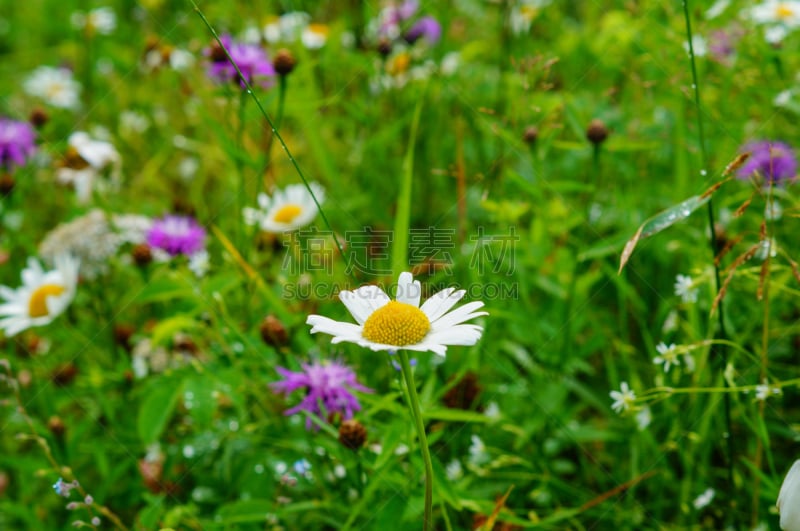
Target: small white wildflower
x,y
492,410
668,356
773,211
671,322
180,60
699,44
132,123
102,20
623,399
643,418
56,86
477,452
765,391
684,288
199,263
704,499
717,8
783,98
767,248
453,470
450,63
688,361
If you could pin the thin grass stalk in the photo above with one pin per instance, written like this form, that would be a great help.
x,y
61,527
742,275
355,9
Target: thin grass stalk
x,y
249,90
714,243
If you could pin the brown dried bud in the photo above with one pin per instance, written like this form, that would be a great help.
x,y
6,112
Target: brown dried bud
x,y
4,481
464,393
384,47
273,332
184,343
352,434
7,184
150,44
531,134
38,117
142,254
284,62
122,335
217,53
64,374
151,472
56,426
597,132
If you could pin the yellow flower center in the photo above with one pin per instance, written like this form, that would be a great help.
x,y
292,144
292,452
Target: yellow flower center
x,y
396,323
399,64
287,213
319,29
37,305
784,11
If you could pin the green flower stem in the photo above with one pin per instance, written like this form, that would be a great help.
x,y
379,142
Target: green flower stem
x,y
721,333
242,195
423,441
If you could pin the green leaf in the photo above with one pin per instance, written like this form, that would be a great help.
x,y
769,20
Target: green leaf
x,y
157,408
166,288
167,328
454,415
662,221
203,403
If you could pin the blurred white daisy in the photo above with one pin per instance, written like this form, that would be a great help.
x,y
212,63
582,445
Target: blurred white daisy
x,y
684,288
385,324
43,296
86,158
56,86
704,499
89,238
779,16
623,399
789,499
102,20
286,28
314,36
287,210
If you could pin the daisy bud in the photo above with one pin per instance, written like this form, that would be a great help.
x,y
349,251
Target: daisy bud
x,y
7,184
597,132
789,499
56,426
64,374
352,434
38,117
464,393
273,332
217,53
384,47
142,254
284,62
123,333
531,134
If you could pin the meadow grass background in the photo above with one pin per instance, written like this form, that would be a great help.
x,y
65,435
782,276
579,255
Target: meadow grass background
x,y
568,330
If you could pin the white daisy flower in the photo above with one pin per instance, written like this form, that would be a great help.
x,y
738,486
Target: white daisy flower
x,y
55,86
287,210
93,156
314,36
385,324
789,499
779,16
623,399
43,296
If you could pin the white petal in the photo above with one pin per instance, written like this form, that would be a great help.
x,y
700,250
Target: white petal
x,y
464,334
439,303
357,306
789,499
374,296
409,291
459,315
426,346
329,326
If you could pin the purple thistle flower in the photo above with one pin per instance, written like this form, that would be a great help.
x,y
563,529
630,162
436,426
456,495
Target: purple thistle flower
x,y
773,161
16,143
427,28
251,59
328,389
177,235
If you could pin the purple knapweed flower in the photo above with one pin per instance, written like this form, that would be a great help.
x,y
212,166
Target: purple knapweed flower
x,y
722,44
328,387
427,28
251,59
177,235
16,143
773,161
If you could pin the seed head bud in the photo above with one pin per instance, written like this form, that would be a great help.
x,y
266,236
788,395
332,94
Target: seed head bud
x,y
38,117
597,132
142,254
284,62
273,332
531,134
352,434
